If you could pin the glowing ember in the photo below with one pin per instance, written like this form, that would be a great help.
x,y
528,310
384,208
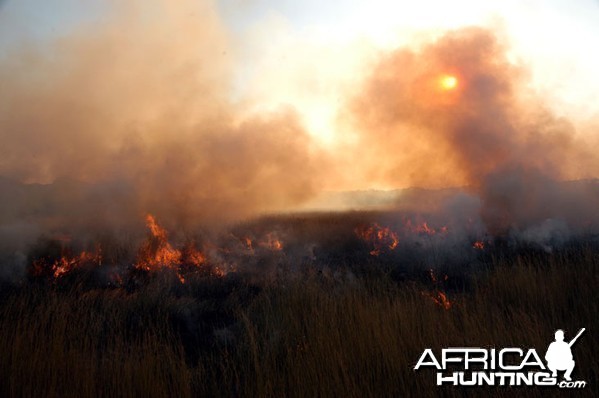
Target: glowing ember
x,y
433,277
380,237
479,244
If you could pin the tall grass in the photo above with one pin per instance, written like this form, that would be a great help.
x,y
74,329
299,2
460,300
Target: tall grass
x,y
318,335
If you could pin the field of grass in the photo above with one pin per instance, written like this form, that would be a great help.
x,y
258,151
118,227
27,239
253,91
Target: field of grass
x,y
314,334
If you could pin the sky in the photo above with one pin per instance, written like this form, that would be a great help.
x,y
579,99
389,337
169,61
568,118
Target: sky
x,y
553,37
303,64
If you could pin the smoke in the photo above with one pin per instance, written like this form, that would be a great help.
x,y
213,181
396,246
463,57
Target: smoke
x,y
135,114
141,100
489,132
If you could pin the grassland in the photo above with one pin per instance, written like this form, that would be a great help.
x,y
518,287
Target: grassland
x,y
313,334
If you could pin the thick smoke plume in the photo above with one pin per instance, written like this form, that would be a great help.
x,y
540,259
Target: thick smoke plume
x,y
134,115
138,105
487,132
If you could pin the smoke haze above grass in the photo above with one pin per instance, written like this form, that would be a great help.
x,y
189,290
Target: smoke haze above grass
x,y
138,104
142,97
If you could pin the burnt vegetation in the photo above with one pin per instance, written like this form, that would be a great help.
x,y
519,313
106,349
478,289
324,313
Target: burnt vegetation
x,y
322,304
145,110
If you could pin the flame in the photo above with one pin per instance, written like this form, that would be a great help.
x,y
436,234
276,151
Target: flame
x,y
271,242
157,253
437,295
192,256
424,228
248,243
66,263
479,244
439,298
379,237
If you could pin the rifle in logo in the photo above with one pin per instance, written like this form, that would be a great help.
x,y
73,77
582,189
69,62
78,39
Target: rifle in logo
x,y
559,354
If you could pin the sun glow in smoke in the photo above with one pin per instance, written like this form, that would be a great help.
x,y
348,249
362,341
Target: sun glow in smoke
x,y
197,140
448,82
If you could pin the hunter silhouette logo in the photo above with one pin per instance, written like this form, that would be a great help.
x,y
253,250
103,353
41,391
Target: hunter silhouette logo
x,y
559,354
509,366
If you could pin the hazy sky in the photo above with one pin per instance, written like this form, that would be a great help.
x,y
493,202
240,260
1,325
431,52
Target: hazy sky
x,y
305,54
260,103
556,38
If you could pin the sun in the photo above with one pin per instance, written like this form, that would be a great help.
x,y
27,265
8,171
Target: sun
x,y
448,82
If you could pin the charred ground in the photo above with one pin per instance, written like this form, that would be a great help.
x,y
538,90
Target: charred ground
x,y
304,304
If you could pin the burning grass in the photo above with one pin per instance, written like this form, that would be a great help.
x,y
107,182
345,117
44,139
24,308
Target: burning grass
x,y
326,319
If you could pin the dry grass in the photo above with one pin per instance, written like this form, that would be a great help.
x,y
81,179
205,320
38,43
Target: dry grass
x,y
318,335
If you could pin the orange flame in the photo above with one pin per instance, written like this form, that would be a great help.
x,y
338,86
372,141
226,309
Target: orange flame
x,y
248,243
424,228
439,298
192,256
157,253
66,263
437,295
271,242
380,238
